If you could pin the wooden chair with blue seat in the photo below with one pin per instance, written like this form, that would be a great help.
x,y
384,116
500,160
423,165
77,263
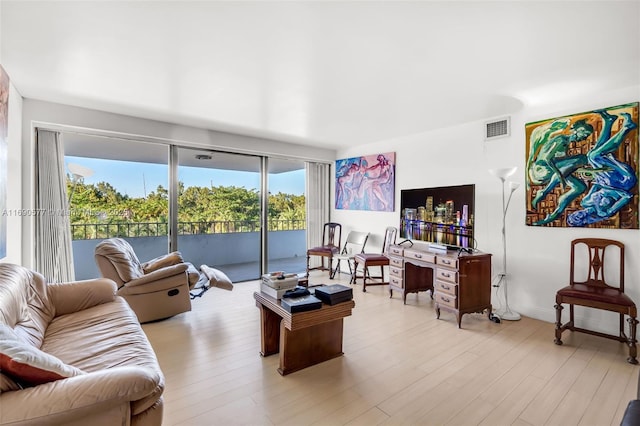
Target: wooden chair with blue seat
x,y
331,241
594,292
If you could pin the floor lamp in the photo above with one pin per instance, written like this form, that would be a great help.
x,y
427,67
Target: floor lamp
x,y
505,312
77,172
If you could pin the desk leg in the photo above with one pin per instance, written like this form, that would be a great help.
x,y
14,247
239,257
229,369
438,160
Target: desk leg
x,y
309,346
269,331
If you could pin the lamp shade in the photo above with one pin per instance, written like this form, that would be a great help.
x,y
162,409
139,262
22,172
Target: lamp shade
x,y
78,170
504,172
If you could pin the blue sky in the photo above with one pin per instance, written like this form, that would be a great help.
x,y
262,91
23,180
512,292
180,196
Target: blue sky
x,y
133,178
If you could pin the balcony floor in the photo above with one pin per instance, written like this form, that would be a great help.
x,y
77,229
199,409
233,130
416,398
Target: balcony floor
x,y
240,272
247,271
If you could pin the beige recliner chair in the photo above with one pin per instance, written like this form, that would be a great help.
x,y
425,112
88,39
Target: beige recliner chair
x,y
156,289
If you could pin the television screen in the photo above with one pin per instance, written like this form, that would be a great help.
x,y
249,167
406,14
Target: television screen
x,y
441,215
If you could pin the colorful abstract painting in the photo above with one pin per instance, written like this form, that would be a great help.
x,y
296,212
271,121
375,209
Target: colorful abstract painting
x,y
4,119
366,183
582,169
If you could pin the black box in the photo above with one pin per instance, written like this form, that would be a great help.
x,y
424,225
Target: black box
x,y
301,304
334,294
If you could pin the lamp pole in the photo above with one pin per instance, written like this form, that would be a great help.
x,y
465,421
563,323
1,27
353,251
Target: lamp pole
x,y
505,312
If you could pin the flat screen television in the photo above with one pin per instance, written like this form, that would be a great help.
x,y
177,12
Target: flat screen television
x,y
442,215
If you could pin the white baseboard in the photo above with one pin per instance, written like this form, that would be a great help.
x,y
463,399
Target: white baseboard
x,y
591,319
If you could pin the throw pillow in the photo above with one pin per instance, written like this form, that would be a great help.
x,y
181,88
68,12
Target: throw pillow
x,y
217,278
29,365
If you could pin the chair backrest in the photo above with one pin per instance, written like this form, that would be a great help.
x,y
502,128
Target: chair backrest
x,y
332,235
117,260
596,248
390,235
356,241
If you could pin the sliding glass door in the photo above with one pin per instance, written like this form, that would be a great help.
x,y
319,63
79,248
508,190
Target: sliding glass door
x,y
219,211
116,188
287,217
243,214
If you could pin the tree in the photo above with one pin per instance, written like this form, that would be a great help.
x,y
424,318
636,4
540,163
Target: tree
x,y
210,209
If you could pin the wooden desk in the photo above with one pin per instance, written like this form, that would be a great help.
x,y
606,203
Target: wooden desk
x,y
304,338
460,283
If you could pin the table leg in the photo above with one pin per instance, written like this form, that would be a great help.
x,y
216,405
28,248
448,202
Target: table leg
x,y
309,346
269,331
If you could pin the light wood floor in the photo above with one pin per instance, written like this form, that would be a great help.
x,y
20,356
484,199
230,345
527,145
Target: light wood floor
x,y
400,366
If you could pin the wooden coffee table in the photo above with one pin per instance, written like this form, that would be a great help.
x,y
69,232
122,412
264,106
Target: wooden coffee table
x,y
304,338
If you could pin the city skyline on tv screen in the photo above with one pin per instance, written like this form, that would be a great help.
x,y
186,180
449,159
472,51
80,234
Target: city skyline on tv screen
x,y
442,215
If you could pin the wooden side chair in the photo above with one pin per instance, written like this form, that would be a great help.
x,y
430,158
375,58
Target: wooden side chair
x,y
331,241
368,260
596,293
356,242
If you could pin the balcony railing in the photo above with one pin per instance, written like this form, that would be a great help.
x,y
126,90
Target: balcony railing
x,y
92,231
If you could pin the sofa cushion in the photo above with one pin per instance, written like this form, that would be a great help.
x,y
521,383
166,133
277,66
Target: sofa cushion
x,y
24,303
29,365
105,336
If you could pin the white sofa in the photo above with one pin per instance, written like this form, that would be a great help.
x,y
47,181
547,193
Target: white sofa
x,y
73,354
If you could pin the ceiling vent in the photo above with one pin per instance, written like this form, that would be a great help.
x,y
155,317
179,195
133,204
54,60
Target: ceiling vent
x,y
497,129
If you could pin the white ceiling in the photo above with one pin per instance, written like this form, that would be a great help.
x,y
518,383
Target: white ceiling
x,y
328,73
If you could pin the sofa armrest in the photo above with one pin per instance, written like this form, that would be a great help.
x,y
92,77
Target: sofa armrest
x,y
168,271
63,401
78,295
173,258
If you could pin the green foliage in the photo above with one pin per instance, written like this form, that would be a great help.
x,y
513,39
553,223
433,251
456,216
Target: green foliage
x,y
200,210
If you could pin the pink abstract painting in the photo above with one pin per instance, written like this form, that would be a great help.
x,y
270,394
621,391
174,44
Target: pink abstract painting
x,y
366,183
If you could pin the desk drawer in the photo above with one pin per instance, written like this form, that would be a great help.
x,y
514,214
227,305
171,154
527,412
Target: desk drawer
x,y
446,300
396,261
449,262
420,255
396,250
448,288
395,271
396,281
447,275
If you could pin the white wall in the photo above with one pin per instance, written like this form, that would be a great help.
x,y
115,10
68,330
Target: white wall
x,y
14,178
45,113
538,257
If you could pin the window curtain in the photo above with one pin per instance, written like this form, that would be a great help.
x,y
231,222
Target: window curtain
x,y
318,204
53,250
